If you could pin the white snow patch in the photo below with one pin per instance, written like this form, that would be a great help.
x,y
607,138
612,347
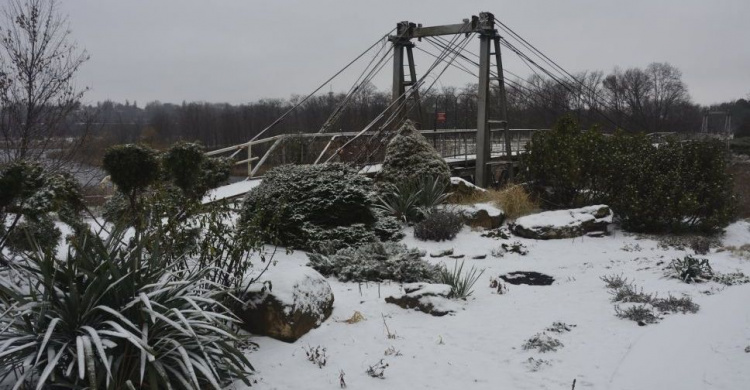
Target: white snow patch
x,y
296,287
480,346
561,218
231,190
457,181
491,209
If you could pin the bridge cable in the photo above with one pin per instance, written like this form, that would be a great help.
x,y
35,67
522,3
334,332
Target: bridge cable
x,y
281,118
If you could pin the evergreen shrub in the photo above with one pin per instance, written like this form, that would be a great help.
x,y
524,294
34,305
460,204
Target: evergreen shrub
x,y
376,262
313,206
672,187
409,156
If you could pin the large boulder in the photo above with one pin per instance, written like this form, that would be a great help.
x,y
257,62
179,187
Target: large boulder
x,y
428,298
461,189
483,215
286,305
564,223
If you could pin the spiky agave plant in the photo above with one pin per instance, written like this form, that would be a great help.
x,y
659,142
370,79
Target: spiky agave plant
x,y
115,316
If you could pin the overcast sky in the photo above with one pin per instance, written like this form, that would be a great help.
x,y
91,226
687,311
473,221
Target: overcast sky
x,y
243,50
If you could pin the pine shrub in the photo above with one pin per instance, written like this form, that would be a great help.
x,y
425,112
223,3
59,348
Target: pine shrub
x,y
296,204
409,156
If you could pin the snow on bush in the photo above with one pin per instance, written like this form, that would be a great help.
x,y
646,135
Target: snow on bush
x,y
28,195
376,262
303,205
410,156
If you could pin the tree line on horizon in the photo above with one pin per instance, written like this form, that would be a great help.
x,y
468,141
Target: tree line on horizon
x,y
650,99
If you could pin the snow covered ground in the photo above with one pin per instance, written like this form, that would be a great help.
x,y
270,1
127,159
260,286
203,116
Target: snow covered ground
x,y
480,347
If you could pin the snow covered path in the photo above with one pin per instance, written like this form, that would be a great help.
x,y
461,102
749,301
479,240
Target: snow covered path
x,y
480,347
703,351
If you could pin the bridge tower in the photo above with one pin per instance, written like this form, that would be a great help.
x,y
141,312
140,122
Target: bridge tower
x,y
489,49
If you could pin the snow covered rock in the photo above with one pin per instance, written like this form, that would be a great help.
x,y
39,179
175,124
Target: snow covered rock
x,y
483,215
564,223
293,303
462,189
425,297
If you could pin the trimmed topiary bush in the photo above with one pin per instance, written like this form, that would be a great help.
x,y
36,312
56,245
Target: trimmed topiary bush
x,y
409,156
300,205
131,168
376,262
439,225
187,167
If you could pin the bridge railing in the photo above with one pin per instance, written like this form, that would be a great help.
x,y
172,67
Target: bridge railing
x,y
454,145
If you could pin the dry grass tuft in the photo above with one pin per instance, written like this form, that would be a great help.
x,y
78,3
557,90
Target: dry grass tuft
x,y
513,200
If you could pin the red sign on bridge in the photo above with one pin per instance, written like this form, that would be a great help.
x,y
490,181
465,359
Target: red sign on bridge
x,y
440,117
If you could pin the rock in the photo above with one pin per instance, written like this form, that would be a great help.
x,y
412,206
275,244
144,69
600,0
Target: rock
x,y
456,256
425,297
564,223
530,278
461,189
296,301
444,252
479,257
483,215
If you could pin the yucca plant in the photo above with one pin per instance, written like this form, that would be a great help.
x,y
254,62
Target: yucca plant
x,y
689,269
411,200
461,283
115,316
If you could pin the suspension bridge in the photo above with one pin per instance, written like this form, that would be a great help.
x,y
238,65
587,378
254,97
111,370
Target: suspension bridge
x,y
483,154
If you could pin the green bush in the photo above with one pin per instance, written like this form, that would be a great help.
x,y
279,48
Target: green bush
x,y
188,168
675,187
38,233
409,156
131,168
296,202
439,225
30,193
116,317
376,262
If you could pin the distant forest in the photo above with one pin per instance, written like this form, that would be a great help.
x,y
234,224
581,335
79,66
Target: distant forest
x,y
651,99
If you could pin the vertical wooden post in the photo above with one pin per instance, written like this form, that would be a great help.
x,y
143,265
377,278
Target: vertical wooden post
x,y
483,126
503,105
413,80
249,160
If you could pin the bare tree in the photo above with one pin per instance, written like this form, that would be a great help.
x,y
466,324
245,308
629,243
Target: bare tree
x,y
38,97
